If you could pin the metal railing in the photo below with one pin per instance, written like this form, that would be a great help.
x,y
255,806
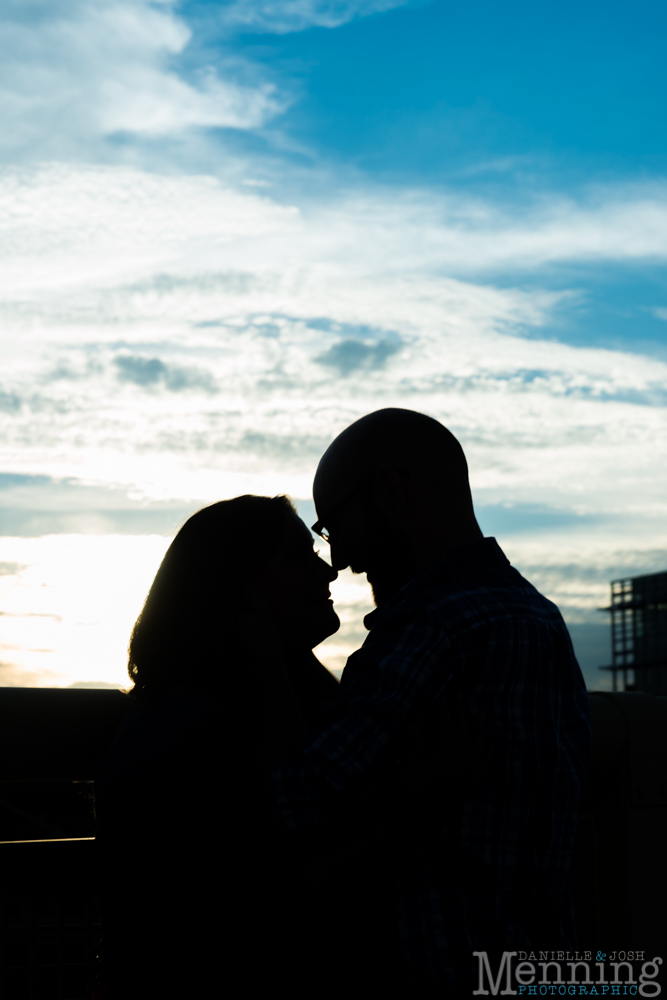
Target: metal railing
x,y
50,920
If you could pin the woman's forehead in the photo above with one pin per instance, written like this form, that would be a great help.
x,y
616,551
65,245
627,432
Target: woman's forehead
x,y
296,531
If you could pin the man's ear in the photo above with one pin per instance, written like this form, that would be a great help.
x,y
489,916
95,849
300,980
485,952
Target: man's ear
x,y
390,493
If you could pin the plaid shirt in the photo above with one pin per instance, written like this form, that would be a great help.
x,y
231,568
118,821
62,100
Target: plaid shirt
x,y
462,731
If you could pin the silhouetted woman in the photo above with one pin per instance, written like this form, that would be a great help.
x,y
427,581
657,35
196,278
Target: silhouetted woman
x,y
200,897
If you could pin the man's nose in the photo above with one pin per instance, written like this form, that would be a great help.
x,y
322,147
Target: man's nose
x,y
339,560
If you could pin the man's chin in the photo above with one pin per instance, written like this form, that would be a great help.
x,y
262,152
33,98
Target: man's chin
x,y
384,581
385,584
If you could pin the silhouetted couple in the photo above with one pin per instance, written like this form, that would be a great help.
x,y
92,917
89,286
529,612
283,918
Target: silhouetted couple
x,y
264,830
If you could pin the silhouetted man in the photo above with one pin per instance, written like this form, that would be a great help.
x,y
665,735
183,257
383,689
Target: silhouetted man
x,y
453,766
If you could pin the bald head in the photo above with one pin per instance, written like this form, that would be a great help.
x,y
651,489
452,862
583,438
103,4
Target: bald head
x,y
403,440
392,493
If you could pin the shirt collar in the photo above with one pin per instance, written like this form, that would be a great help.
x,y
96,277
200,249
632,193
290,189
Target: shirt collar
x,y
482,554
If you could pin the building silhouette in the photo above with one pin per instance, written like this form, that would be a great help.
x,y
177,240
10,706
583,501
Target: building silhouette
x,y
639,634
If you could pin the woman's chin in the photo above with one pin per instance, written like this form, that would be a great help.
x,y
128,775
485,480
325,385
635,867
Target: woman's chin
x,y
327,625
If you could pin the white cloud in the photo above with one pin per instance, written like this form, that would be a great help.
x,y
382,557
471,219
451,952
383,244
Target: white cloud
x,y
256,331
74,73
176,337
275,320
282,16
466,235
576,572
65,226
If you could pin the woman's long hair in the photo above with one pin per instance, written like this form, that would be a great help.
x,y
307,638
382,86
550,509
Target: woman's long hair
x,y
188,628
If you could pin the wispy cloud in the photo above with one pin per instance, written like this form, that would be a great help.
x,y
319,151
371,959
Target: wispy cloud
x,y
282,16
348,356
73,73
67,226
153,292
196,333
468,235
10,568
152,372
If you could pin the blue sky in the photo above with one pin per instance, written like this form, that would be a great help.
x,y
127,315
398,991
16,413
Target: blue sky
x,y
510,101
228,230
430,92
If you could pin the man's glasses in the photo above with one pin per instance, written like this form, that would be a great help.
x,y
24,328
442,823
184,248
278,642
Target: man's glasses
x,y
319,527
